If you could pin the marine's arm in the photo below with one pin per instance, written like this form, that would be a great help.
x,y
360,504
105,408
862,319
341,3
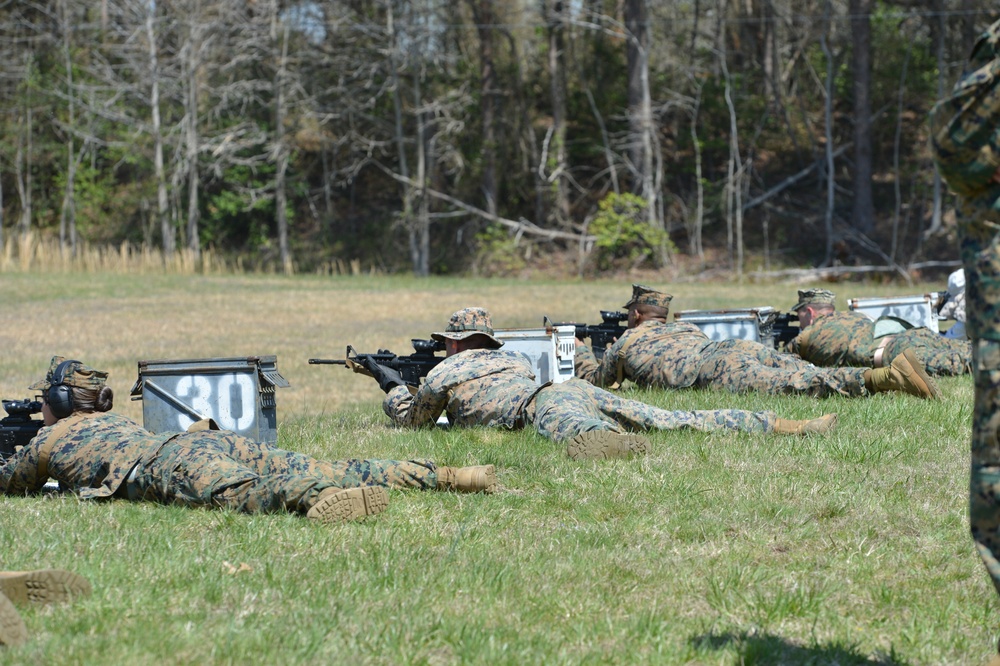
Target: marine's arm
x,y
600,373
19,475
412,410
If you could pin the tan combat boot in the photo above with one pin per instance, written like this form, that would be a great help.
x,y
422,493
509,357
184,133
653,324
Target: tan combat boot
x,y
12,629
606,444
821,426
907,374
478,479
42,586
335,505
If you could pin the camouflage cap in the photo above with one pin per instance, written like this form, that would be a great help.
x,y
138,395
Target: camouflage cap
x,y
469,322
77,374
814,297
642,295
964,126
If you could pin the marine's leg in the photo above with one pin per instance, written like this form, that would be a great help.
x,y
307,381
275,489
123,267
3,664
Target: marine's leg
x,y
940,355
738,369
269,461
636,415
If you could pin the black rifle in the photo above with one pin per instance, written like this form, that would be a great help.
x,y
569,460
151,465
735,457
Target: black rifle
x,y
603,334
412,367
785,327
18,428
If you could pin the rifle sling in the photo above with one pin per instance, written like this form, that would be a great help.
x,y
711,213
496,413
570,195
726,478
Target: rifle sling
x,y
56,431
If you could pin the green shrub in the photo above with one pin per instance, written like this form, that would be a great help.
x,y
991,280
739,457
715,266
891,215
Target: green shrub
x,y
624,237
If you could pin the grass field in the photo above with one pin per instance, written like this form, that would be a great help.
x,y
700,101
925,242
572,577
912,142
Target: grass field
x,y
715,549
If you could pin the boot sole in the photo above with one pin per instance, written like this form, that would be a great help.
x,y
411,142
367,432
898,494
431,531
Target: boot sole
x,y
918,369
43,586
602,444
12,629
350,504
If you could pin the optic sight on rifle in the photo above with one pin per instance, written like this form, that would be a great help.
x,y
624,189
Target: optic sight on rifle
x,y
412,367
603,334
18,428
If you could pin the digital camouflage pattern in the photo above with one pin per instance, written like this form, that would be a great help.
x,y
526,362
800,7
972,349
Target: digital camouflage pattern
x,y
468,322
814,297
838,339
94,455
481,387
680,355
643,295
964,128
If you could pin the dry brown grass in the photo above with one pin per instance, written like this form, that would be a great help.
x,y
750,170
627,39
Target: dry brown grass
x,y
113,320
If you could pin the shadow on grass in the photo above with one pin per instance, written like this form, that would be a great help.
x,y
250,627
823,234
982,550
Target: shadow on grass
x,y
763,648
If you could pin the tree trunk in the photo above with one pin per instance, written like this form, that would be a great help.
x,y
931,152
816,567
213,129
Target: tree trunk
x,y
640,109
482,13
863,209
556,162
67,216
167,232
828,107
281,153
191,136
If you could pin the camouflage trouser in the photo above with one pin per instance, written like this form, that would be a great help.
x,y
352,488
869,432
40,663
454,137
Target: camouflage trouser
x,y
742,365
980,244
561,411
940,355
219,468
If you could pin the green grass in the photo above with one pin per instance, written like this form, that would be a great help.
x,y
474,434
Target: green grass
x,y
715,549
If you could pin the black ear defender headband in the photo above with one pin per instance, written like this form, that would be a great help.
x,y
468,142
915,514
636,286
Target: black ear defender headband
x,y
59,397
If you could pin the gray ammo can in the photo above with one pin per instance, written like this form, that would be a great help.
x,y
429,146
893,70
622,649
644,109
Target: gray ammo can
x,y
237,393
733,324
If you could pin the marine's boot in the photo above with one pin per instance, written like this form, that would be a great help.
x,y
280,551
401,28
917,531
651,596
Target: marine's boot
x,y
335,505
995,661
606,444
42,586
12,629
821,426
478,479
907,374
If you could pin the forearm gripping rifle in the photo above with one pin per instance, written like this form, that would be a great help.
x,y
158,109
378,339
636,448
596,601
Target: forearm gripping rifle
x,y
413,367
18,428
603,334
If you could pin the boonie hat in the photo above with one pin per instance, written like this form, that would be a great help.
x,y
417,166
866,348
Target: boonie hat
x,y
956,282
964,128
77,374
814,297
469,322
643,295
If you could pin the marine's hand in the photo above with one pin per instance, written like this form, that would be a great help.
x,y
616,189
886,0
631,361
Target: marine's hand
x,y
387,378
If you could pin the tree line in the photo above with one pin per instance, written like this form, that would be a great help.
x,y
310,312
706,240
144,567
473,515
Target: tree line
x,y
452,135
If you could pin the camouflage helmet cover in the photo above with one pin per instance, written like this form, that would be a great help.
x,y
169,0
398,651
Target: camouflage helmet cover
x,y
469,322
643,295
77,374
814,297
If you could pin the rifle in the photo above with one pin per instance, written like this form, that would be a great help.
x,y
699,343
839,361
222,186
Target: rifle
x,y
603,334
18,428
412,367
785,327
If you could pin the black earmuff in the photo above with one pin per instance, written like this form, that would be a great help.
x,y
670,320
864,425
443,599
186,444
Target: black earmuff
x,y
59,397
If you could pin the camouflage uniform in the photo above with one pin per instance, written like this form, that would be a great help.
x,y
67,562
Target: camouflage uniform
x,y
103,455
680,355
966,143
495,388
838,339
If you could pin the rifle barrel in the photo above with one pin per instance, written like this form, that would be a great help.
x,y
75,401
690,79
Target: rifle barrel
x,y
326,361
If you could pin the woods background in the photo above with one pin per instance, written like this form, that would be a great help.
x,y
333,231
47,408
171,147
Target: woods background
x,y
481,136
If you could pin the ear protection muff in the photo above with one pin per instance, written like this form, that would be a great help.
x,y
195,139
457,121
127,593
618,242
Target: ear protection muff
x,y
59,397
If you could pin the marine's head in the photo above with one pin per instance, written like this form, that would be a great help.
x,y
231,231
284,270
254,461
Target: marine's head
x,y
472,328
647,303
70,386
813,302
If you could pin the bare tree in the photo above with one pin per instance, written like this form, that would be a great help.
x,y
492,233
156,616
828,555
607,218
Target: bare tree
x,y
863,209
